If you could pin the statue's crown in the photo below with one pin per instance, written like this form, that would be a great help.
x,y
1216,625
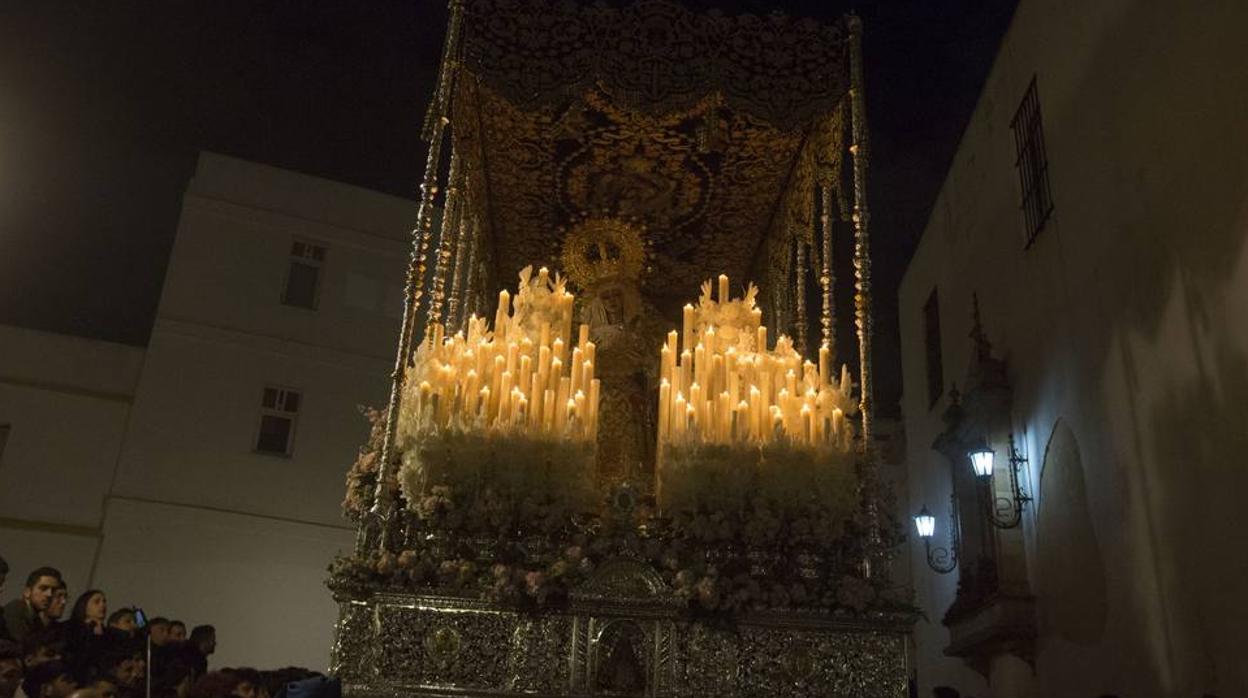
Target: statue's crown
x,y
603,248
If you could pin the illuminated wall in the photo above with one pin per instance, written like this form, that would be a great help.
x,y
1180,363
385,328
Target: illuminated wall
x,y
137,471
1124,328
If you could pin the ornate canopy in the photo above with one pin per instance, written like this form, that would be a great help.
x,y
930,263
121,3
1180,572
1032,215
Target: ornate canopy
x,y
709,131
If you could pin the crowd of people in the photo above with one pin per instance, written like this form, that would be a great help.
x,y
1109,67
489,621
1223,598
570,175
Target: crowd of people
x,y
98,653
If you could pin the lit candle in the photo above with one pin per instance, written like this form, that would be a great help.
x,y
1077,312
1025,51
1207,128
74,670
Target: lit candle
x,y
500,317
513,355
723,288
470,395
526,367
576,369
825,364
687,337
535,409
504,398
548,411
665,397
595,391
484,406
686,370
579,401
561,398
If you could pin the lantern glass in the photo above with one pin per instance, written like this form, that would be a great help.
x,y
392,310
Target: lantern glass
x,y
925,523
981,461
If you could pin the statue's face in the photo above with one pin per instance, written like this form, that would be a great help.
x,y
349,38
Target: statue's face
x,y
613,302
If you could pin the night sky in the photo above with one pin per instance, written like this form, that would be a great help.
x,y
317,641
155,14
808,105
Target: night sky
x,y
105,105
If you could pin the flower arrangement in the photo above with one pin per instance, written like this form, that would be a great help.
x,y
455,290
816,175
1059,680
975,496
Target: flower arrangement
x,y
711,560
362,477
787,478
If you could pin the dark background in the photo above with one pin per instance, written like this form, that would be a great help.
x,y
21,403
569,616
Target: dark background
x,y
105,105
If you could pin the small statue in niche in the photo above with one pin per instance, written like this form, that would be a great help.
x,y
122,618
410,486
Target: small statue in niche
x,y
605,256
621,670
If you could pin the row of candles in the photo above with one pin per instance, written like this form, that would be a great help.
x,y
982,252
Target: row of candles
x,y
722,385
514,378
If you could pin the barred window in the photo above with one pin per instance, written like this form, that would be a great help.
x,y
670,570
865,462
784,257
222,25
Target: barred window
x,y
931,339
279,408
1032,164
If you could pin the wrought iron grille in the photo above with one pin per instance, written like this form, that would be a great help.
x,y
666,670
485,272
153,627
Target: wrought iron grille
x,y
1032,164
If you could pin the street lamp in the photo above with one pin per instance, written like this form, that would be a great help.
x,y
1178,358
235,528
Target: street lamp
x,y
941,560
982,463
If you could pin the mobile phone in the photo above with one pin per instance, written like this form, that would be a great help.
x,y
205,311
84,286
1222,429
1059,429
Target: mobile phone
x,y
140,618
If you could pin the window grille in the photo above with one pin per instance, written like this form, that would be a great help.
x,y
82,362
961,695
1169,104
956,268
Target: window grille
x,y
1032,164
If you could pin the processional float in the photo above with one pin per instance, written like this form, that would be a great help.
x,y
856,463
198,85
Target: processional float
x,y
603,469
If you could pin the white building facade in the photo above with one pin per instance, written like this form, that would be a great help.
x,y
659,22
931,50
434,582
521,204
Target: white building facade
x,y
222,498
1097,209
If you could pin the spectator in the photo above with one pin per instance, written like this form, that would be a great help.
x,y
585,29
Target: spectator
x,y
203,643
24,614
10,668
90,612
177,631
122,620
174,681
158,630
42,646
56,608
49,680
251,683
124,668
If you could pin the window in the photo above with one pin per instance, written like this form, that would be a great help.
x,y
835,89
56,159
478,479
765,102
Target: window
x,y
278,409
304,275
931,339
1032,163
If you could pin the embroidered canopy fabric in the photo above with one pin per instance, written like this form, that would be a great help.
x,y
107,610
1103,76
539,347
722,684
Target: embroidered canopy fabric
x,y
709,131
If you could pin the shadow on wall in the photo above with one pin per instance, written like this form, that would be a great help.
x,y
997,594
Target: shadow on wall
x,y
1168,186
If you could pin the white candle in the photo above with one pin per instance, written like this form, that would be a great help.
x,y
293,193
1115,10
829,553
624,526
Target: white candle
x,y
665,408
687,336
595,391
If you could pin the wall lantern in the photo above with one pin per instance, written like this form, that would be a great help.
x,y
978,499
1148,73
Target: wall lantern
x,y
982,460
1002,512
941,560
925,523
